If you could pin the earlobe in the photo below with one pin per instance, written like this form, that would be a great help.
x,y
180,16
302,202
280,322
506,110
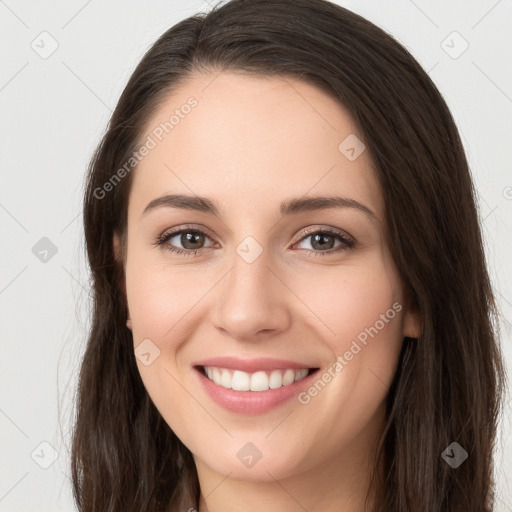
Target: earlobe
x,y
412,324
411,320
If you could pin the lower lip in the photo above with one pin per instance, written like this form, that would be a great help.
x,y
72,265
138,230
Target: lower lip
x,y
251,402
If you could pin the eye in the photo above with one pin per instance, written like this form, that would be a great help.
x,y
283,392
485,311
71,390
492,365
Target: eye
x,y
192,241
322,241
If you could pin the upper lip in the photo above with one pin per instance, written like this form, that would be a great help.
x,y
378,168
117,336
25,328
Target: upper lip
x,y
251,365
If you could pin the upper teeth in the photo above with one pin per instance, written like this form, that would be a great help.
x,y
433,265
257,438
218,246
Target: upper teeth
x,y
258,381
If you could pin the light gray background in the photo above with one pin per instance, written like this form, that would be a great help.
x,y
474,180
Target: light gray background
x,y
54,111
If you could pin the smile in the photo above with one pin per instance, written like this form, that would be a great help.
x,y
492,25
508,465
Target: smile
x,y
258,381
252,386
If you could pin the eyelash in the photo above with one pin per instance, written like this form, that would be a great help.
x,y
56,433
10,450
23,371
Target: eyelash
x,y
348,241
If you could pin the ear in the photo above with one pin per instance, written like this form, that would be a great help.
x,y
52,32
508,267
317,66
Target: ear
x,y
411,323
117,254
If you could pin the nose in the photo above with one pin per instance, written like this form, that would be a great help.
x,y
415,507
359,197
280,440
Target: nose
x,y
252,301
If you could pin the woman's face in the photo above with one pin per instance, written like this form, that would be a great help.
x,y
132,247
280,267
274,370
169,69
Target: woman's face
x,y
298,298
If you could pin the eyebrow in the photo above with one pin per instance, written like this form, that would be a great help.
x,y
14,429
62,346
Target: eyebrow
x,y
287,207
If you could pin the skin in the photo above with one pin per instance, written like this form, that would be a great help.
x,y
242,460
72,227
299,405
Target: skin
x,y
251,143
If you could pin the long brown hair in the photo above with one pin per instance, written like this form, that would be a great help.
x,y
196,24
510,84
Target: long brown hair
x,y
449,383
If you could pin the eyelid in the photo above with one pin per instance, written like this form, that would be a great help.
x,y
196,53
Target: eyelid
x,y
187,227
325,229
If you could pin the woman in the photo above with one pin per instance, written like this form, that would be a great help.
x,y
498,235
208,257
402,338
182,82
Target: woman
x,y
291,305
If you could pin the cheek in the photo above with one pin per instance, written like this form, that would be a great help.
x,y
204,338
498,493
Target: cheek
x,y
160,297
355,310
361,311
353,302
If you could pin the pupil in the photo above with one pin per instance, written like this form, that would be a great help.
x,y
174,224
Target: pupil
x,y
188,238
317,239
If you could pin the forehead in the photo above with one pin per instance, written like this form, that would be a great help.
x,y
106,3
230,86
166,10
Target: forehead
x,y
250,141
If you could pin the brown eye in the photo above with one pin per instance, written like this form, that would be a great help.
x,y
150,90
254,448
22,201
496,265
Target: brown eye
x,y
323,242
191,241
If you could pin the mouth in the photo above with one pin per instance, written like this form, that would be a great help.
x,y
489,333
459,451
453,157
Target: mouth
x,y
255,386
258,381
